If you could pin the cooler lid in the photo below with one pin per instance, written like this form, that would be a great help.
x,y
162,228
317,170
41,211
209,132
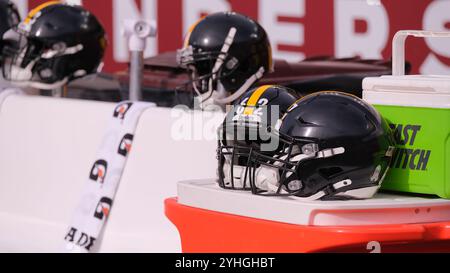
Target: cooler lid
x,y
384,209
415,90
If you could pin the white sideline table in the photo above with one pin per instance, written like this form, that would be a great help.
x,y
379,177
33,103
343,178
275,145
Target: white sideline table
x,y
384,209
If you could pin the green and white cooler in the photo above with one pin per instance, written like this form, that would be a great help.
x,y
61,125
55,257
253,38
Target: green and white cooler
x,y
418,109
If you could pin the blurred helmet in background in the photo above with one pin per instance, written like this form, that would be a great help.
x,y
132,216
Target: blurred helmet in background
x,y
225,54
55,44
9,17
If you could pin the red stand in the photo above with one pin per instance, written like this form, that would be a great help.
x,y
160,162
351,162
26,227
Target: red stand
x,y
204,231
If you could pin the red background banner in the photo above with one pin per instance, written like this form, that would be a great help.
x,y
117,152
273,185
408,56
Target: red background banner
x,y
298,28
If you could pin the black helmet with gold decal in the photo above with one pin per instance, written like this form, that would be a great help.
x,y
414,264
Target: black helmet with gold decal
x,y
332,145
55,44
247,129
9,17
226,53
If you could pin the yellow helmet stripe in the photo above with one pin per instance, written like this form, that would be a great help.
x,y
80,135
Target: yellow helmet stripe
x,y
254,98
38,9
191,28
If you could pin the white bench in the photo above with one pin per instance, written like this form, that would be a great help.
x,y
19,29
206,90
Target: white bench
x,y
47,147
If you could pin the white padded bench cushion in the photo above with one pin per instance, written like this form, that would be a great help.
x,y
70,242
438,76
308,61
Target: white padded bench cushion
x,y
47,148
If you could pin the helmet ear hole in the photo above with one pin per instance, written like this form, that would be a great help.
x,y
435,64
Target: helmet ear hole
x,y
46,73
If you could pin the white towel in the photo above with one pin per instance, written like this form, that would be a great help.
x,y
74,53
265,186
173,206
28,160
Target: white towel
x,y
103,180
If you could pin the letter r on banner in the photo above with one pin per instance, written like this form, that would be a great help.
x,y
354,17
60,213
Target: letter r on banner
x,y
360,29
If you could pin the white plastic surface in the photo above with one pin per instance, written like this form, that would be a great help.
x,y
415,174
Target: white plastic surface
x,y
415,90
384,209
398,47
47,148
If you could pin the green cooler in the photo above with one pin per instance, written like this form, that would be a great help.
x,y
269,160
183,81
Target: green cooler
x,y
418,110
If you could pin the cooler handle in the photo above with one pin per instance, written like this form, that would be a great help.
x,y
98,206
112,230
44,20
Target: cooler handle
x,y
398,47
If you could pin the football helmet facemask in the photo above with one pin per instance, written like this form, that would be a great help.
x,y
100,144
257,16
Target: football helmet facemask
x,y
9,17
55,44
247,129
225,53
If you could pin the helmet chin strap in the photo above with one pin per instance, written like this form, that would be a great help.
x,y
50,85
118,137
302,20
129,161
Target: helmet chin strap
x,y
216,68
40,85
220,99
268,178
19,74
207,99
246,86
235,179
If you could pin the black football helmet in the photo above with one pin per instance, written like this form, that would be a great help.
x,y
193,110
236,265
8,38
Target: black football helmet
x,y
225,54
55,44
9,17
247,128
333,146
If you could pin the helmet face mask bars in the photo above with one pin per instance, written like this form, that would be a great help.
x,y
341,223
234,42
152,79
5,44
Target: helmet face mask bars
x,y
9,18
205,78
318,156
247,131
55,44
225,54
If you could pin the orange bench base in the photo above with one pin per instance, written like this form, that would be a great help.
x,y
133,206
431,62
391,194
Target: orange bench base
x,y
204,231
